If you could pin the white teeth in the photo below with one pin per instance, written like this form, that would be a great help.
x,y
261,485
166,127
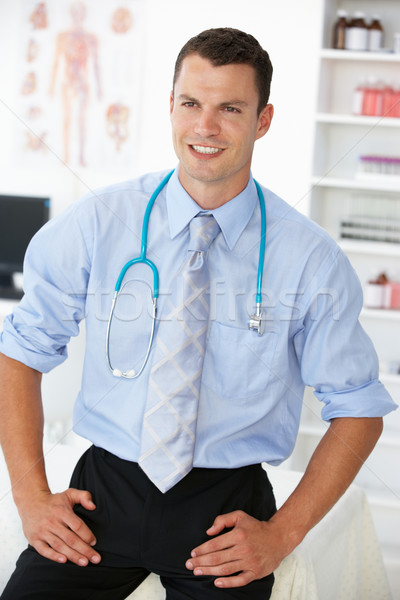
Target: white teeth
x,y
206,149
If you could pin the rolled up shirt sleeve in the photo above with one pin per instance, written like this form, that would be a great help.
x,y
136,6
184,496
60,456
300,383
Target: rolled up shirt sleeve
x,y
337,357
56,273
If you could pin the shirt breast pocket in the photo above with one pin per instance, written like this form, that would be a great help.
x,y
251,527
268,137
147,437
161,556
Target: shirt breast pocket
x,y
238,362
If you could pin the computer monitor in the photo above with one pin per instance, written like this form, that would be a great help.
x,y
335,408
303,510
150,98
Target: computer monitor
x,y
20,218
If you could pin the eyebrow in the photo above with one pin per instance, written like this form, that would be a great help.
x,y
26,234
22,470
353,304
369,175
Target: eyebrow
x,y
240,103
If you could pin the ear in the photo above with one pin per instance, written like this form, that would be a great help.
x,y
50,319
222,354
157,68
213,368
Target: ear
x,y
264,120
171,102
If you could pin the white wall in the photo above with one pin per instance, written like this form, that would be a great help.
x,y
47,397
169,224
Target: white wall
x,y
289,30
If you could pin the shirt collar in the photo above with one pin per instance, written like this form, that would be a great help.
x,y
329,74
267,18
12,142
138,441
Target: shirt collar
x,y
232,217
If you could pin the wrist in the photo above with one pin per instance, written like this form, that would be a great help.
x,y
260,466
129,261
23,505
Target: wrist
x,y
29,485
288,530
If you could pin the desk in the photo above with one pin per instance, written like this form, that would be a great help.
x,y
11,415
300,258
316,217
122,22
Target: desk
x,y
338,560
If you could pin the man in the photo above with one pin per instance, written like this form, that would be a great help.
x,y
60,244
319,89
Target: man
x,y
210,528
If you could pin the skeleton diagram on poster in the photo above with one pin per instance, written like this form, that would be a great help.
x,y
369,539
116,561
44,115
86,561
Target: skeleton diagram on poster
x,y
80,82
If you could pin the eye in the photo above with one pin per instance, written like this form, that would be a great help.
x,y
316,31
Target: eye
x,y
189,104
231,109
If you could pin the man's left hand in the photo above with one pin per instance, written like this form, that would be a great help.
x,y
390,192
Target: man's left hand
x,y
250,550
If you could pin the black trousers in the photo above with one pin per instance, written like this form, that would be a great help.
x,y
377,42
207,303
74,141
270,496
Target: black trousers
x,y
139,530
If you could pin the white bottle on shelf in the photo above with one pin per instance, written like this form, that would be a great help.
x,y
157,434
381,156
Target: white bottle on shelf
x,y
357,33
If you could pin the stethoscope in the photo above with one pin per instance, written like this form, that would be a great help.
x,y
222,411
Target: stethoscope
x,y
255,322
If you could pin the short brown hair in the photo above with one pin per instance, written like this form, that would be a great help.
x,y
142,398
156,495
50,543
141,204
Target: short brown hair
x,y
225,46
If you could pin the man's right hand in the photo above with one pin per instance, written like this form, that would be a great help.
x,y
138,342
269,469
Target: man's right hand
x,y
54,530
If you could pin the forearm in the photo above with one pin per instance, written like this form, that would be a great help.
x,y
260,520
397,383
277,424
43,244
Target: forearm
x,y
21,427
333,466
49,522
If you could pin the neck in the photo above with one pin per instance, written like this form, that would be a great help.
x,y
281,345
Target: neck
x,y
212,194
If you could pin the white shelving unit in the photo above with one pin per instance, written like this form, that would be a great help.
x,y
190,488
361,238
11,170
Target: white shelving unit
x,y
339,139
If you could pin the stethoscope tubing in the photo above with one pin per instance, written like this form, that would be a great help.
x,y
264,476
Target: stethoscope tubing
x,y
261,257
143,251
255,320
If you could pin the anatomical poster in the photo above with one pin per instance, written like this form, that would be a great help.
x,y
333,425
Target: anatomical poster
x,y
80,75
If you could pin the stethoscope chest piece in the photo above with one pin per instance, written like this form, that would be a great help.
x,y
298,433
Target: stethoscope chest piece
x,y
256,322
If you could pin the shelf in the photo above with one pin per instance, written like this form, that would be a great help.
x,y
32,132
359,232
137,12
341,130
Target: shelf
x,y
347,55
343,119
369,248
355,184
380,314
338,188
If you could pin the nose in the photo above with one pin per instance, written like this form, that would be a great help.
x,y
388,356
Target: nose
x,y
207,123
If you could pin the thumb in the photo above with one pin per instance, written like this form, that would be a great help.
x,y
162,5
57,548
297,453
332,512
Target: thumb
x,y
223,521
82,497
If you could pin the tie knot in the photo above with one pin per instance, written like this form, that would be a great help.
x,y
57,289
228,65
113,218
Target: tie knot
x,y
203,231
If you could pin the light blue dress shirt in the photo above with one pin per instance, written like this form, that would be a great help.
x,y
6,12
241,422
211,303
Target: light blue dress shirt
x,y
252,386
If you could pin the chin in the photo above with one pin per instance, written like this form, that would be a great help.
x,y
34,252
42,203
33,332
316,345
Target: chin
x,y
204,172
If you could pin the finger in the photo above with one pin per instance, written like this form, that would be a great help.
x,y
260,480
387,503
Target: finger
x,y
223,521
82,497
47,552
66,543
79,527
228,568
78,545
217,563
58,552
61,518
65,548
217,544
236,581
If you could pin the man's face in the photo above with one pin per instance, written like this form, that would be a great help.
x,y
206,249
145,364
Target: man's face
x,y
215,124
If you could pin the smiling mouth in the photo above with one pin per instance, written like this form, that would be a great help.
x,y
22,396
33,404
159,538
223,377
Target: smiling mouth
x,y
206,149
